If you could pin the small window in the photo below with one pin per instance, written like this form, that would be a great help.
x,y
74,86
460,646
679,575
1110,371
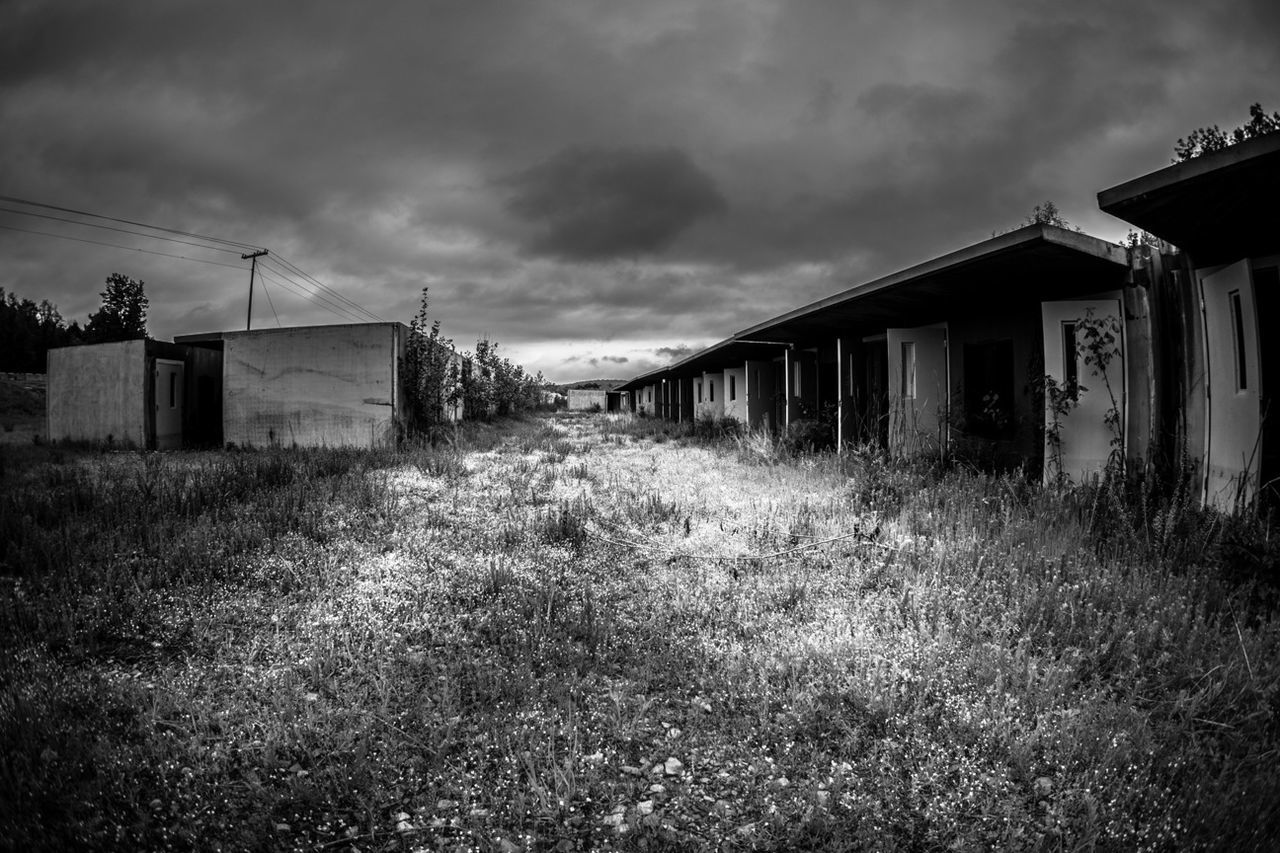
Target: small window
x,y
1237,332
711,390
1070,360
795,382
733,387
699,384
173,390
908,370
650,389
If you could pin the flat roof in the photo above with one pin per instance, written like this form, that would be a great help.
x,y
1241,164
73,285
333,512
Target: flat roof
x,y
209,337
1032,263
1218,207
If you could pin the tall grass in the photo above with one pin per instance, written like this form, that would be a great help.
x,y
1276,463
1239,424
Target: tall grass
x,y
594,633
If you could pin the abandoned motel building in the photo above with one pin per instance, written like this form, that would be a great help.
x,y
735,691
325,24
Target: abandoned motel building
x,y
1041,346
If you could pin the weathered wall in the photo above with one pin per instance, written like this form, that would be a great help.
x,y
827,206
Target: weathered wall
x,y
584,399
646,400
712,403
735,403
98,393
312,386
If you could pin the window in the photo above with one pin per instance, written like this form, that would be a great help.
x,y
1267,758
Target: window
x,y
908,370
173,390
711,390
699,391
1237,332
795,382
733,387
650,389
1070,361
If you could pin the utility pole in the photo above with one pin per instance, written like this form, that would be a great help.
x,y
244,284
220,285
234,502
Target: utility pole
x,y
253,268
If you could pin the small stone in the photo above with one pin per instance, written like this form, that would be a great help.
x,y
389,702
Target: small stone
x,y
657,769
673,767
645,807
781,782
445,805
614,819
632,771
156,803
402,816
674,733
311,697
404,826
657,788
283,827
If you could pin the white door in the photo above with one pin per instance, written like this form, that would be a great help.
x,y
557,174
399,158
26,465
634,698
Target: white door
x,y
1234,429
168,397
1084,416
919,383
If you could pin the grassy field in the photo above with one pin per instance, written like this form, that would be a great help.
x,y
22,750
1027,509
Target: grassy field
x,y
596,632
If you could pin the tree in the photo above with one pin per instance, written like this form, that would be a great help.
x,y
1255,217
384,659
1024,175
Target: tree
x,y
123,315
28,330
1203,140
431,370
1047,214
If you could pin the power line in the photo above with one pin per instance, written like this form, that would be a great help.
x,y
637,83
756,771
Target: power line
x,y
316,298
308,296
118,246
239,245
120,230
267,293
335,302
289,264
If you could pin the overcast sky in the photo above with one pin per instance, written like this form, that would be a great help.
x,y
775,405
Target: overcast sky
x,y
595,185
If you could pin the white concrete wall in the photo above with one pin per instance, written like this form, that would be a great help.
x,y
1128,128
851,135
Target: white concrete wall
x,y
312,386
713,386
99,392
647,400
582,399
735,406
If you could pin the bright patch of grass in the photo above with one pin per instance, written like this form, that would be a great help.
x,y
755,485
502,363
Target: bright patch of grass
x,y
569,634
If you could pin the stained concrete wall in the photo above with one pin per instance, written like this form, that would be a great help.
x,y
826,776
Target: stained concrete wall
x,y
647,400
713,392
313,386
735,394
583,399
99,393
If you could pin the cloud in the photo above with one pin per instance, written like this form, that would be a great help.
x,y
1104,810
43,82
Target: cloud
x,y
599,203
674,353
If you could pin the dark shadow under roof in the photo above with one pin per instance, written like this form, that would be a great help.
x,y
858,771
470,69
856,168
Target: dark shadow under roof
x,y
1218,207
1029,265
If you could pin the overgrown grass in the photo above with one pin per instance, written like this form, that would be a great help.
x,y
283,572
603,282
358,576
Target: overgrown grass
x,y
602,632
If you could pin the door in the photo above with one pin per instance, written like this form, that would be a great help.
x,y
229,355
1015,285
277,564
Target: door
x,y
919,389
1084,415
168,397
1233,403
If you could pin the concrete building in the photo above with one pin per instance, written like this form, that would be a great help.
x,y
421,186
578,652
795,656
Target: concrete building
x,y
303,386
1048,347
143,394
311,386
588,399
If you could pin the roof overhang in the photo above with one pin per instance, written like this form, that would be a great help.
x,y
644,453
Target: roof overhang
x,y
1029,265
1218,207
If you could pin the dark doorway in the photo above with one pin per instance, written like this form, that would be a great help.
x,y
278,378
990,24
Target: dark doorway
x,y
988,390
871,399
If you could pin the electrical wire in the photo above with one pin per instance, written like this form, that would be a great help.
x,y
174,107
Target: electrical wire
x,y
242,246
309,296
118,246
120,230
266,292
286,271
289,265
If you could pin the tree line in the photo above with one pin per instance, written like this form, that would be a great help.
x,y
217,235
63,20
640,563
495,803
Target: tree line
x,y
29,329
445,385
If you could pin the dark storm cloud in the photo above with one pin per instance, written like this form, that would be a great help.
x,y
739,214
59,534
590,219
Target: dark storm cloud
x,y
595,203
682,168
